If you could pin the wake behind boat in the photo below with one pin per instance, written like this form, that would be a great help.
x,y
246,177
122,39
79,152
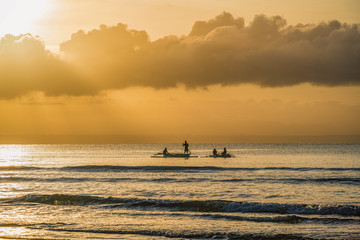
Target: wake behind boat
x,y
173,155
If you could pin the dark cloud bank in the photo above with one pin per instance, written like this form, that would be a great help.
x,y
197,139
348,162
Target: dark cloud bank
x,y
222,50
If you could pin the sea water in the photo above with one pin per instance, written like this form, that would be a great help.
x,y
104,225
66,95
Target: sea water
x,y
266,191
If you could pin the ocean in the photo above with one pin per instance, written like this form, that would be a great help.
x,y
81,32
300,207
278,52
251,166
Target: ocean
x,y
266,191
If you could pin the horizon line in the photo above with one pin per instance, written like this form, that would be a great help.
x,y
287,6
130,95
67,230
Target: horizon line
x,y
173,139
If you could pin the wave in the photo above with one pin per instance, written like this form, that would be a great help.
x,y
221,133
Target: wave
x,y
193,206
202,235
13,168
115,168
62,227
273,218
110,168
293,219
334,180
62,179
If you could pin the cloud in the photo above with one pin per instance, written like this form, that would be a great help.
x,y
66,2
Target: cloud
x,y
26,66
202,28
222,51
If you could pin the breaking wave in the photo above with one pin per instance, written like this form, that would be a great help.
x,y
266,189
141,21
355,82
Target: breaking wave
x,y
284,219
193,206
202,235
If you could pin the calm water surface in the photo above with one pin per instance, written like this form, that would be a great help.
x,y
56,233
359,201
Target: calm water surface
x,y
267,191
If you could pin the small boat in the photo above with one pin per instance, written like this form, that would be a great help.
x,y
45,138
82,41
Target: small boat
x,y
221,156
173,155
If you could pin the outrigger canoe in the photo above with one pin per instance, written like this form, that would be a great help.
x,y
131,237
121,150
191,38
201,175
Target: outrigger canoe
x,y
221,156
173,155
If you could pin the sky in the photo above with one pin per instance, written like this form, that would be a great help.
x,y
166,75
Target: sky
x,y
91,71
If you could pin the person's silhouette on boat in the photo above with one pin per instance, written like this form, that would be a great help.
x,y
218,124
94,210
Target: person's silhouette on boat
x,y
215,152
224,152
186,148
165,152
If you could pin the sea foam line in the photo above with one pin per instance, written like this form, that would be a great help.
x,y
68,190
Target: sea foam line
x,y
196,235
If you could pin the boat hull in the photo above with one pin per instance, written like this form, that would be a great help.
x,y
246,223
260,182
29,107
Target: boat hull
x,y
221,156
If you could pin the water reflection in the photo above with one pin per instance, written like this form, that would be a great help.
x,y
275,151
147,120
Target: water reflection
x,y
12,154
13,232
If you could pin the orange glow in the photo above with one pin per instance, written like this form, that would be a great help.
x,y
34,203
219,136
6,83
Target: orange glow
x,y
220,76
22,16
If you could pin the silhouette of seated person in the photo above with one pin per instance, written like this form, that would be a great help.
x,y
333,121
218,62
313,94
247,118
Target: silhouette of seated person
x,y
224,153
215,153
165,152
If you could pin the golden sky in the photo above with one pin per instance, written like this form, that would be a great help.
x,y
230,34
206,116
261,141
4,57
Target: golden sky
x,y
165,71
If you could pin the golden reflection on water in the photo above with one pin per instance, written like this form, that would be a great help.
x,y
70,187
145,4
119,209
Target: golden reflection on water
x,y
13,232
10,190
15,221
10,220
11,154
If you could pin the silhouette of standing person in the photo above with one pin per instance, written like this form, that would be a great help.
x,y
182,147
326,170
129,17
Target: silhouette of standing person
x,y
186,148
